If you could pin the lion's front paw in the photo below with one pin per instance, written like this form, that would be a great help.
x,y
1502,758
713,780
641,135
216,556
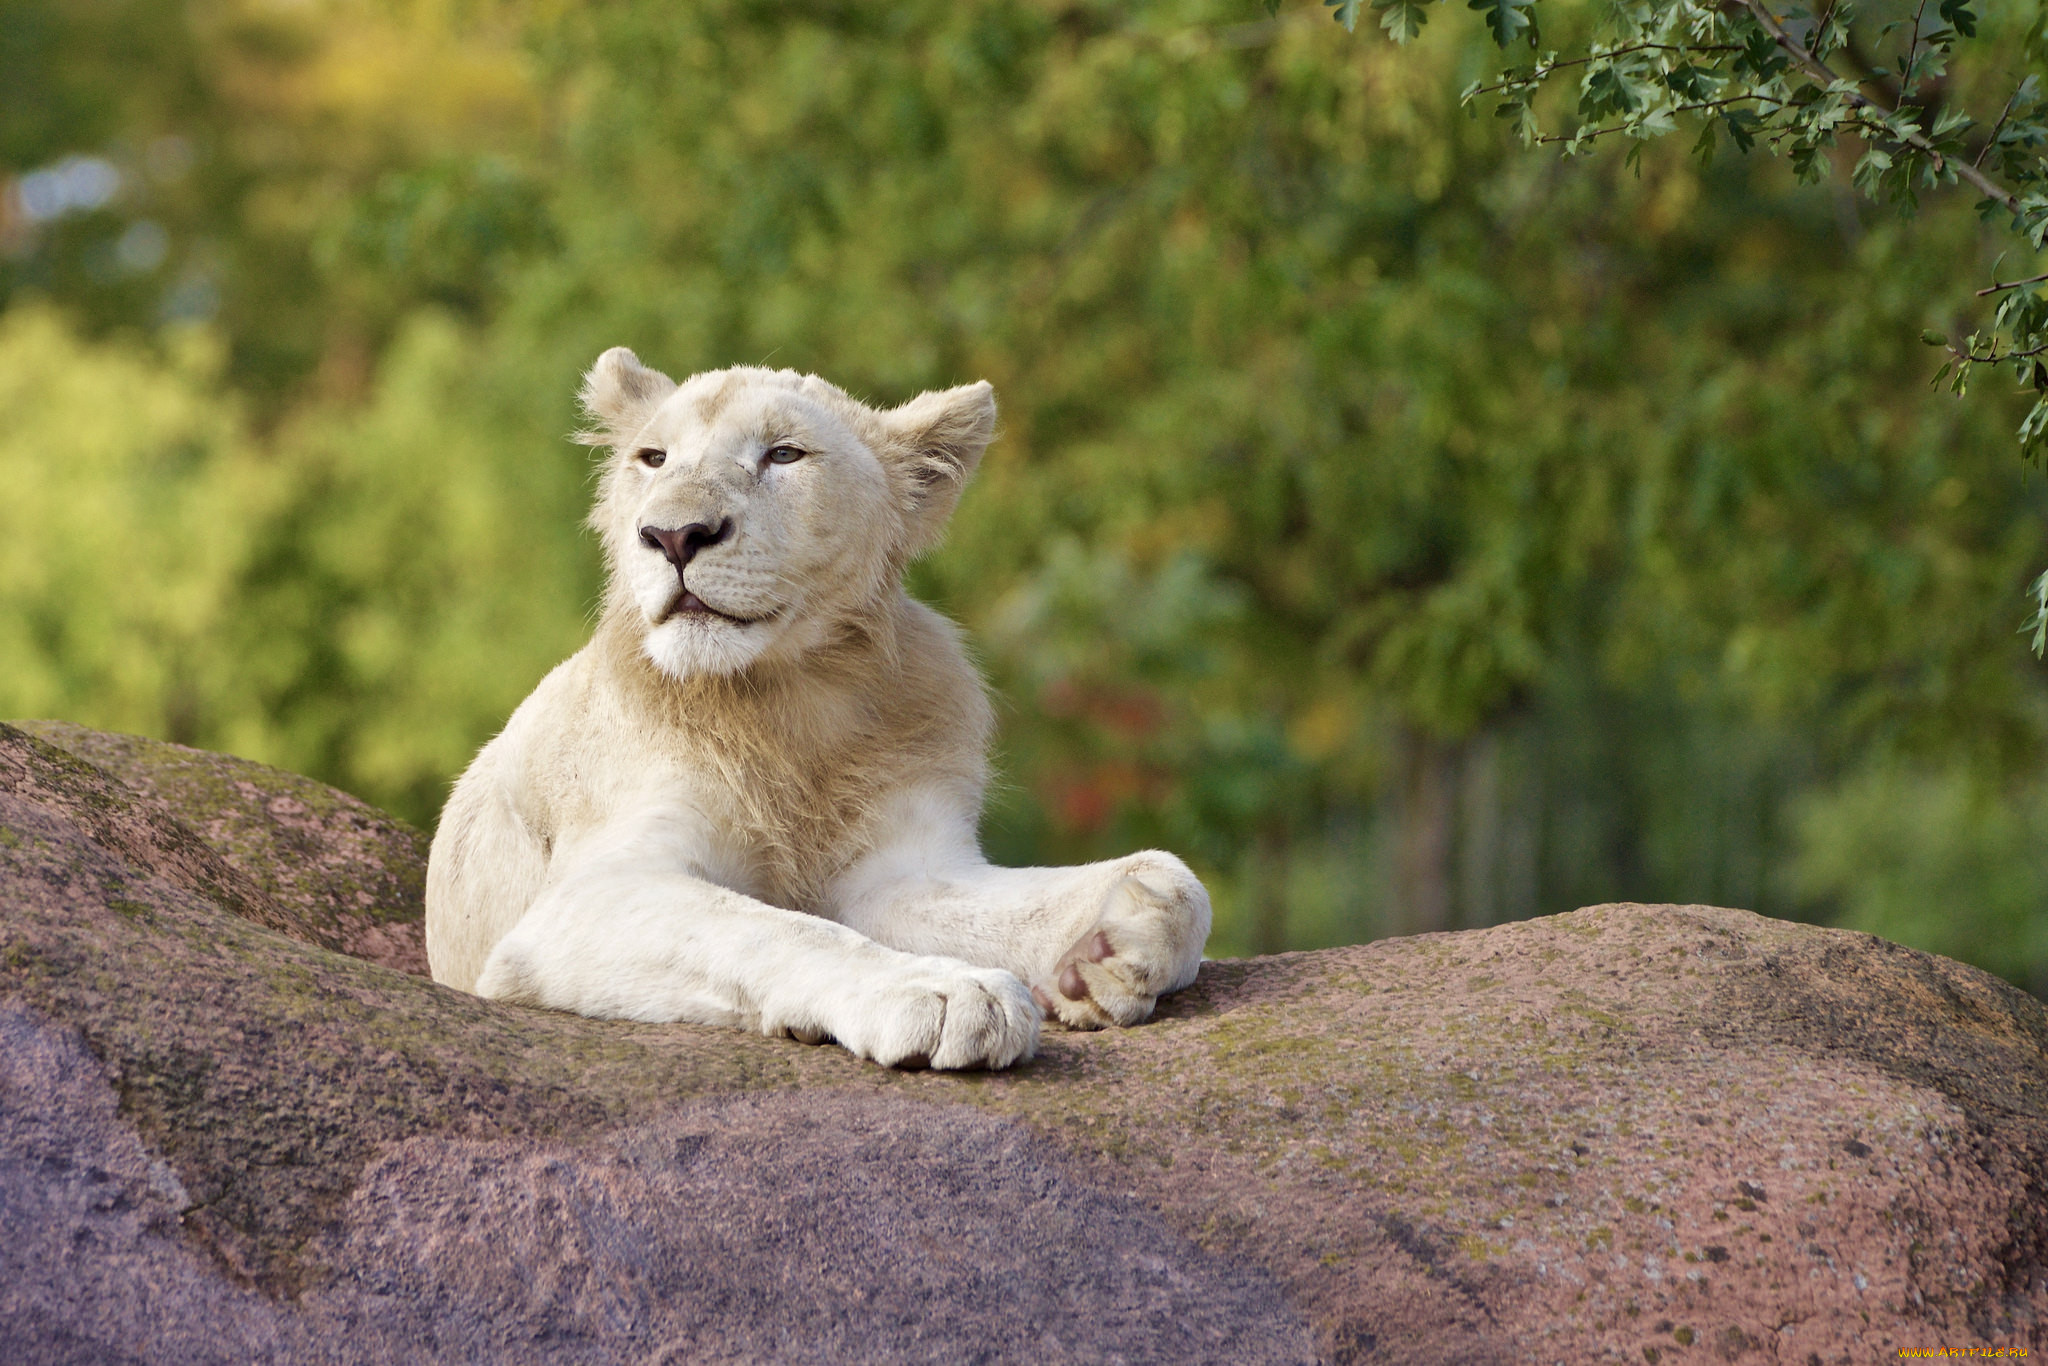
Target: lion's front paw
x,y
935,1012
1146,942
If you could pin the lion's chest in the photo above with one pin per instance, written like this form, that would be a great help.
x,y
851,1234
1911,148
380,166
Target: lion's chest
x,y
782,837
777,827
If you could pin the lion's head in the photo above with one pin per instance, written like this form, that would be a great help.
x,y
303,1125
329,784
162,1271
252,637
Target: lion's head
x,y
748,515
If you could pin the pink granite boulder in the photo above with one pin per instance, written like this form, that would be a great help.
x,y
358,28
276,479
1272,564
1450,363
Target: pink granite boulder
x,y
1632,1133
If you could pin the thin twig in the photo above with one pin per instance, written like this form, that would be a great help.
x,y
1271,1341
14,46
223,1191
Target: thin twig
x,y
1584,136
1539,72
1912,49
1996,357
2011,284
1996,128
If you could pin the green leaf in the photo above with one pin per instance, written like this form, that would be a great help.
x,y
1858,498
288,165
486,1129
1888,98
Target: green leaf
x,y
1346,12
1929,64
1960,385
1704,148
1959,13
1761,57
1517,108
2038,623
1402,19
1508,20
1869,174
1951,120
1934,338
1526,127
1654,124
2033,429
1690,82
1605,91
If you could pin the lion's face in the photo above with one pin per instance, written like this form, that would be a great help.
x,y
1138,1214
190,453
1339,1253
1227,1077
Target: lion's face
x,y
749,514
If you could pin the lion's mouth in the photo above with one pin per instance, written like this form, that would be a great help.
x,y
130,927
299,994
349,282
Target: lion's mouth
x,y
689,607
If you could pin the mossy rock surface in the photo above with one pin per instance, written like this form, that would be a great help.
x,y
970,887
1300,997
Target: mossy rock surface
x,y
336,871
1643,1133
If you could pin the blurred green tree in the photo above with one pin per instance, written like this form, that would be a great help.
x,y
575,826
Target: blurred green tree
x,y
117,567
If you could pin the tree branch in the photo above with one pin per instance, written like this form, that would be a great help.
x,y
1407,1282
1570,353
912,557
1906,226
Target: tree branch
x,y
1820,71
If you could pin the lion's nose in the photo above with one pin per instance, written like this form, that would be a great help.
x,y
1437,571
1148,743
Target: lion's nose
x,y
681,544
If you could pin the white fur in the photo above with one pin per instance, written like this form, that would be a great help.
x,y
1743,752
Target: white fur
x,y
766,817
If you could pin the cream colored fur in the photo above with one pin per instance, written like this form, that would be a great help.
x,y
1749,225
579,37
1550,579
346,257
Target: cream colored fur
x,y
752,799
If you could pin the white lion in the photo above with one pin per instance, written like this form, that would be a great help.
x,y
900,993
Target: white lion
x,y
752,798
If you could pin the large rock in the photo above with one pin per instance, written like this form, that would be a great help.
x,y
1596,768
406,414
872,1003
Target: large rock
x,y
1630,1133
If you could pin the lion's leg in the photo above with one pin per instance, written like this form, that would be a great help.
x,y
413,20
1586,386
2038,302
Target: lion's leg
x,y
1098,943
485,870
624,943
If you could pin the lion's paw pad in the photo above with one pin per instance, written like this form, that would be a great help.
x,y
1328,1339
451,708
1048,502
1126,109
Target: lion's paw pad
x,y
1146,942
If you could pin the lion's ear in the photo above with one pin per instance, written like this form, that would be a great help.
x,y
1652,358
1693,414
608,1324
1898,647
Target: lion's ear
x,y
619,395
938,439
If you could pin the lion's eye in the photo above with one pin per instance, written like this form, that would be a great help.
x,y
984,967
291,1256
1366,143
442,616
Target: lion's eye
x,y
784,455
651,457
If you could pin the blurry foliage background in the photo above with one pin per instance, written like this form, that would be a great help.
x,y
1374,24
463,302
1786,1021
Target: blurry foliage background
x,y
1414,531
